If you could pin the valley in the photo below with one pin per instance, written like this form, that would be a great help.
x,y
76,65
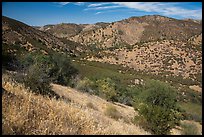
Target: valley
x,y
105,64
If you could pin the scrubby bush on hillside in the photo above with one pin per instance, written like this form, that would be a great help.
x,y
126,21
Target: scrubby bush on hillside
x,y
37,80
103,87
112,112
91,105
38,71
158,106
85,85
106,89
62,71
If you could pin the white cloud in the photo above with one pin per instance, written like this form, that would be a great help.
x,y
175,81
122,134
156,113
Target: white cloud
x,y
98,4
63,3
113,10
163,8
79,3
105,7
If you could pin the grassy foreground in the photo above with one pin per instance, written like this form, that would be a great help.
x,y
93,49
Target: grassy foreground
x,y
24,113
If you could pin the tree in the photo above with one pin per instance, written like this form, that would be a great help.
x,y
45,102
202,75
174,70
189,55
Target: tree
x,y
61,70
40,70
157,104
37,79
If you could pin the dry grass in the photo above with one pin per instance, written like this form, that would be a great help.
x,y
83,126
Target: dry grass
x,y
29,114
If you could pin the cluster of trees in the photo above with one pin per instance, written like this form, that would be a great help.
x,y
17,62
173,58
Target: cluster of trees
x,y
37,71
158,108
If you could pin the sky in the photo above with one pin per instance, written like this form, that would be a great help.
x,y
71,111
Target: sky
x,y
43,13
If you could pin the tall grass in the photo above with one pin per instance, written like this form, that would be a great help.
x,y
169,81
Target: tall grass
x,y
24,113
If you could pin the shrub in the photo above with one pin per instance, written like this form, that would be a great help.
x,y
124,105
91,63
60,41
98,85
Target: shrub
x,y
189,129
61,69
91,105
106,89
85,85
112,112
140,121
38,71
120,32
157,104
38,80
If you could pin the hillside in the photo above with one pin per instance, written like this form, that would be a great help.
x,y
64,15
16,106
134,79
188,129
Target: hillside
x,y
73,113
26,113
19,36
156,45
67,30
140,29
130,31
108,72
165,58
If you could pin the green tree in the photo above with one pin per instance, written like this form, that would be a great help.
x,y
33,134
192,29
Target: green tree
x,y
37,79
157,104
40,70
61,69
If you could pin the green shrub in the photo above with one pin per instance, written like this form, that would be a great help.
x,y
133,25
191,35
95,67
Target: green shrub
x,y
85,85
38,80
112,112
120,32
61,69
140,121
37,71
106,89
157,104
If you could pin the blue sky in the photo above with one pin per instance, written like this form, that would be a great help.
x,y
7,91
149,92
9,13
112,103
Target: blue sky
x,y
43,13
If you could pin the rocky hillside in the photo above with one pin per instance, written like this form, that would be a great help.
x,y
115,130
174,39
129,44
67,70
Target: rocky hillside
x,y
21,36
166,57
140,29
67,30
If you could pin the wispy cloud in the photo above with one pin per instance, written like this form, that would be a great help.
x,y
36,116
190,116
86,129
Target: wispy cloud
x,y
104,7
98,4
63,3
79,3
163,8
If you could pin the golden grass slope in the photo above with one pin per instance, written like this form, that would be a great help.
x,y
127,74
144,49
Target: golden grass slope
x,y
29,114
